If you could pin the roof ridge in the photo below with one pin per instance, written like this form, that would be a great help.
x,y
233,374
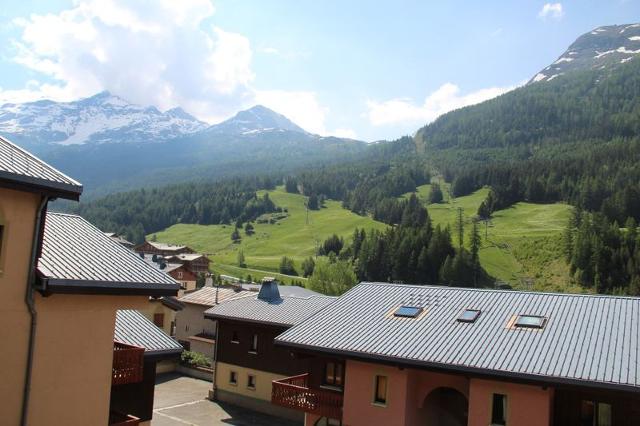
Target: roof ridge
x,y
490,290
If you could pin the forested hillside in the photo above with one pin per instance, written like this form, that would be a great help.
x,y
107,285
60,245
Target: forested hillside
x,y
573,139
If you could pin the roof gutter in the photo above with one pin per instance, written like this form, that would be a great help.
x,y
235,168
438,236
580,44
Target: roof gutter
x,y
38,229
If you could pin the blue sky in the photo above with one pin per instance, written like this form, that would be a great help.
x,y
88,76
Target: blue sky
x,y
370,70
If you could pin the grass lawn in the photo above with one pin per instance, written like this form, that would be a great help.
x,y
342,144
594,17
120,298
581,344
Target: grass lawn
x,y
295,236
521,245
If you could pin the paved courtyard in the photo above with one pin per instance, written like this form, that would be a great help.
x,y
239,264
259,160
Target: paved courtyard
x,y
181,400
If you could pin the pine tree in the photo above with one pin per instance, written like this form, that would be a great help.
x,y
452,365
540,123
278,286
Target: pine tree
x,y
460,227
241,260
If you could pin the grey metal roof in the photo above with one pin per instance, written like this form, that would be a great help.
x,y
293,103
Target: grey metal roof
x,y
286,311
78,257
206,296
285,290
135,329
588,339
20,167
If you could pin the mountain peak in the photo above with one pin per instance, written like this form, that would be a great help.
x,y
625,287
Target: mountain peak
x,y
256,119
101,118
601,48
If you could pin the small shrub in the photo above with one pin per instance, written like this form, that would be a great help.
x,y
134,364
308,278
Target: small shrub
x,y
195,359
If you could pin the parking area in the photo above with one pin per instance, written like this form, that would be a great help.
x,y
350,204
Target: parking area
x,y
181,400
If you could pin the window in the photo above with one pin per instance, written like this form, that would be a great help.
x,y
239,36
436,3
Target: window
x,y
380,395
594,413
407,311
333,374
234,337
179,275
233,378
251,381
469,315
158,319
530,321
499,410
254,344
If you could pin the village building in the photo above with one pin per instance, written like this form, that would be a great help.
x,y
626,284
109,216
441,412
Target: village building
x,y
194,262
162,312
153,347
60,299
246,360
192,329
120,240
398,354
162,249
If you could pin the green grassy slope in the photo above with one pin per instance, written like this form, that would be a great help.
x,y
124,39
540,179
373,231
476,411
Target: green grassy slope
x,y
293,236
520,245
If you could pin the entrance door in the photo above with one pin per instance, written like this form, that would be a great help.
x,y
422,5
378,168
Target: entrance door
x,y
445,407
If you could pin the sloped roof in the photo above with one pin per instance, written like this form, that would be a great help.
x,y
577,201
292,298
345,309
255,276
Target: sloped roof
x,y
20,168
286,311
78,258
189,257
206,296
135,329
164,246
587,339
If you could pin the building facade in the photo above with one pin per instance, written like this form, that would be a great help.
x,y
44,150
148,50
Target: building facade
x,y
192,329
246,359
426,355
59,305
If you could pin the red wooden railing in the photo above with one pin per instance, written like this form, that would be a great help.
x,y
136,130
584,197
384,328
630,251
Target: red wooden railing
x,y
294,392
127,363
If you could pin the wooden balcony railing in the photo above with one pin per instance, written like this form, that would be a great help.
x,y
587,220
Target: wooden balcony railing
x,y
294,392
127,363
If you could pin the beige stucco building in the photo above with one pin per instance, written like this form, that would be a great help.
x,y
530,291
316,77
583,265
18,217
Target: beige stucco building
x,y
192,329
59,305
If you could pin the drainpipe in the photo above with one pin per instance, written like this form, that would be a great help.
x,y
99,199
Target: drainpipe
x,y
214,395
29,301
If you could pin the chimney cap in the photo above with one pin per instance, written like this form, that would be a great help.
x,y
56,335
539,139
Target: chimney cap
x,y
269,290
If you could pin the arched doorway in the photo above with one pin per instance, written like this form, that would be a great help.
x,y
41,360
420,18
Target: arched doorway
x,y
445,407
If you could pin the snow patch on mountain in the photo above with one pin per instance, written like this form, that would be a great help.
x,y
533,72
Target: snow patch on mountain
x,y
598,49
102,118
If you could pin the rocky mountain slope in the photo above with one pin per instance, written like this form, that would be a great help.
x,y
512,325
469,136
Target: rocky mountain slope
x,y
102,118
600,49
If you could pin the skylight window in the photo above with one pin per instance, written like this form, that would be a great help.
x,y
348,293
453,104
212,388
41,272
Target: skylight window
x,y
530,321
469,315
407,311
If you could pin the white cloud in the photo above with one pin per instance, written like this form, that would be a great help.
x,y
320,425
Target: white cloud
x,y
345,133
446,98
161,53
301,107
551,10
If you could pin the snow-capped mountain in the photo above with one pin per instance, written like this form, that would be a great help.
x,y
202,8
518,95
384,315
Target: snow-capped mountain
x,y
258,119
601,48
101,118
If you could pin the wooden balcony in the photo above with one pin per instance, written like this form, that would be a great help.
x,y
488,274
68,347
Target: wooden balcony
x,y
127,364
294,392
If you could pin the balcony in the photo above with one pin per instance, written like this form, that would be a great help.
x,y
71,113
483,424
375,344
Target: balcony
x,y
293,392
127,364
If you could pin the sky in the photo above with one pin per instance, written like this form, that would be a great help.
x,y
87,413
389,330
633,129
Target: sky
x,y
368,70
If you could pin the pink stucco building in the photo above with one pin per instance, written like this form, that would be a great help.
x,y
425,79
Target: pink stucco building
x,y
393,354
